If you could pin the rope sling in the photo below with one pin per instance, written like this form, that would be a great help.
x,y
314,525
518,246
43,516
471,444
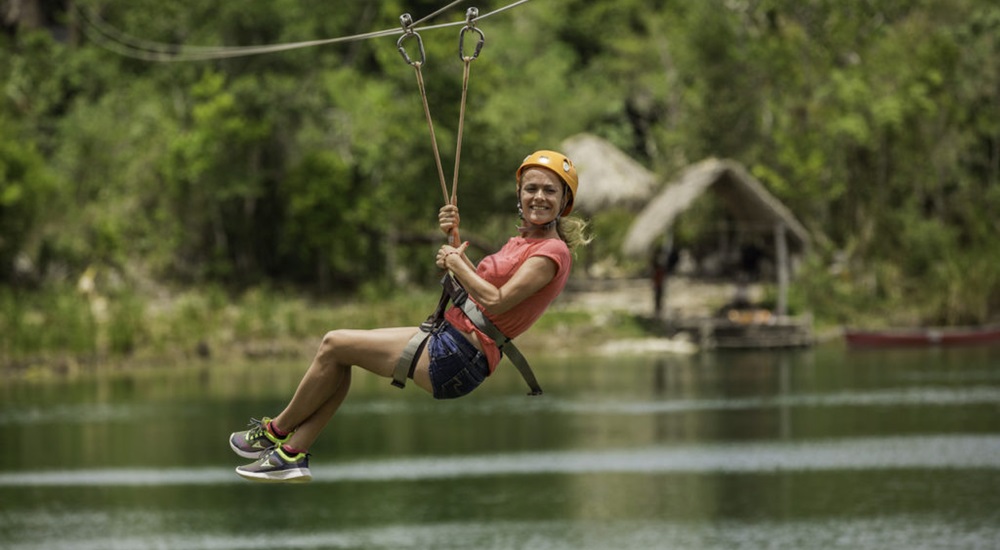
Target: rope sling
x,y
452,290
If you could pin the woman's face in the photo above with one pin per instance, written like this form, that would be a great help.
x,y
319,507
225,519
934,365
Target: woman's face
x,y
541,195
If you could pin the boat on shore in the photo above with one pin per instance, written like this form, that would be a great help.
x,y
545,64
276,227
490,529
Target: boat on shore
x,y
928,336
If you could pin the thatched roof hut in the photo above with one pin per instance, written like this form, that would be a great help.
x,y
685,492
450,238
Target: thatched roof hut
x,y
745,199
747,203
608,177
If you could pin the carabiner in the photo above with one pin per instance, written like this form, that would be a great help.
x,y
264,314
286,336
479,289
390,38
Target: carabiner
x,y
407,22
470,24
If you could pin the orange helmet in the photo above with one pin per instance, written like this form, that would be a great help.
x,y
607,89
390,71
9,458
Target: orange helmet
x,y
558,163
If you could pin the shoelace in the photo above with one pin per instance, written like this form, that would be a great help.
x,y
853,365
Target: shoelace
x,y
256,428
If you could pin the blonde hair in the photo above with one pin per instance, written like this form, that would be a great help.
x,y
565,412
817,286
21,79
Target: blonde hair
x,y
573,231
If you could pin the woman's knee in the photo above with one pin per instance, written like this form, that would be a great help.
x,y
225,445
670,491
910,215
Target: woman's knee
x,y
374,351
333,342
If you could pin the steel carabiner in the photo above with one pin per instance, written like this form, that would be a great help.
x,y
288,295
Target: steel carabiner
x,y
470,24
407,22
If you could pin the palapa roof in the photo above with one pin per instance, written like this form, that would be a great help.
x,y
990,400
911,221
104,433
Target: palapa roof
x,y
744,197
608,177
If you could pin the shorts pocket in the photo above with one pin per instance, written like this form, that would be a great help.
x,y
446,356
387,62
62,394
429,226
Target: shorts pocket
x,y
466,378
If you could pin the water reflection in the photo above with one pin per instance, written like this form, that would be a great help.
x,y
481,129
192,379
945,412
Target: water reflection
x,y
920,396
566,535
814,449
951,452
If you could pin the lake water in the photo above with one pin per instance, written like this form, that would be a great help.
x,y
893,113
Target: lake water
x,y
820,448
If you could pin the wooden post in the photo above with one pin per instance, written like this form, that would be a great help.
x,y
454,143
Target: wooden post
x,y
781,246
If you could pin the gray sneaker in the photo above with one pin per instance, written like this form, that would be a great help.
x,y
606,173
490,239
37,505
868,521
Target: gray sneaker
x,y
277,465
254,442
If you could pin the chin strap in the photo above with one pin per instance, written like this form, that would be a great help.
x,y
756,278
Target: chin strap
x,y
527,226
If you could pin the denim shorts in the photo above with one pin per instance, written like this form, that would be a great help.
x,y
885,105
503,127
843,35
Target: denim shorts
x,y
457,367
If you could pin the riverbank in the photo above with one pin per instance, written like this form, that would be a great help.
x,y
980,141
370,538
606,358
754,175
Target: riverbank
x,y
70,332
169,329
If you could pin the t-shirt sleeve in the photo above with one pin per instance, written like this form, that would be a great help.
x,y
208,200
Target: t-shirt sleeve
x,y
557,251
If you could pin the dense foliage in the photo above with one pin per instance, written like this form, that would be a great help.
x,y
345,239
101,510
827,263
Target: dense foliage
x,y
877,122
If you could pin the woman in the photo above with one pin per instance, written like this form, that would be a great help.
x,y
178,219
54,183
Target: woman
x,y
512,287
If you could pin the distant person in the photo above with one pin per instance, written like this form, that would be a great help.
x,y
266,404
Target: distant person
x,y
511,288
751,256
664,263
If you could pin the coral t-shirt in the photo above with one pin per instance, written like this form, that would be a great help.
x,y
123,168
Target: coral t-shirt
x,y
497,269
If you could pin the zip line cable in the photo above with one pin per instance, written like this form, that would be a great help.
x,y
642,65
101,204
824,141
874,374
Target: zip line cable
x,y
107,36
438,12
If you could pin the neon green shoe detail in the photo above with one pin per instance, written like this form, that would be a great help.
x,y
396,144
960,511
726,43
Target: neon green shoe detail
x,y
254,442
276,465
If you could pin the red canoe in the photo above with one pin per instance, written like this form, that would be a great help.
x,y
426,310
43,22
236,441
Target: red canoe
x,y
922,336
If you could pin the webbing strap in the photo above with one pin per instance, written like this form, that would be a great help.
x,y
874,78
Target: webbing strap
x,y
407,362
505,344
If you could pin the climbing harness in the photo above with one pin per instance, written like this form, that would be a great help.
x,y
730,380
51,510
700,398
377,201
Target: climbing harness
x,y
452,290
456,294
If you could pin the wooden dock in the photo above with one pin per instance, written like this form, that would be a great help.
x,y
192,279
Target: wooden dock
x,y
727,333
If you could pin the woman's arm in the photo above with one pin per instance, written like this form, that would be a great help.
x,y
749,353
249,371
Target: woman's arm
x,y
534,273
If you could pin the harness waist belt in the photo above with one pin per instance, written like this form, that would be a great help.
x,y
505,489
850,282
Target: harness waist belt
x,y
454,292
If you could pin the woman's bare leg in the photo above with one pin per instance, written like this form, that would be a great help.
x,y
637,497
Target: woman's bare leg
x,y
325,384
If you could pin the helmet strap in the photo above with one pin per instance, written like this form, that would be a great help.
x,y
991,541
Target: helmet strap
x,y
527,226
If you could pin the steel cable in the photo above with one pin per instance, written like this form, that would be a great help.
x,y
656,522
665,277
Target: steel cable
x,y
112,39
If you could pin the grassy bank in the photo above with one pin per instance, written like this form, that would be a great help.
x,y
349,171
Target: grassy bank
x,y
65,331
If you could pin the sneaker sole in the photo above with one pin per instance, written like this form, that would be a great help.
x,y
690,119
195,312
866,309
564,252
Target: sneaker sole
x,y
245,454
299,475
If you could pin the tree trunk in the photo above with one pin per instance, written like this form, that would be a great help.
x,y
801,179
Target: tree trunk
x,y
23,14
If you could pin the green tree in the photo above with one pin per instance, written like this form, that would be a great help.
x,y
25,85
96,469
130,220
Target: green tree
x,y
877,122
